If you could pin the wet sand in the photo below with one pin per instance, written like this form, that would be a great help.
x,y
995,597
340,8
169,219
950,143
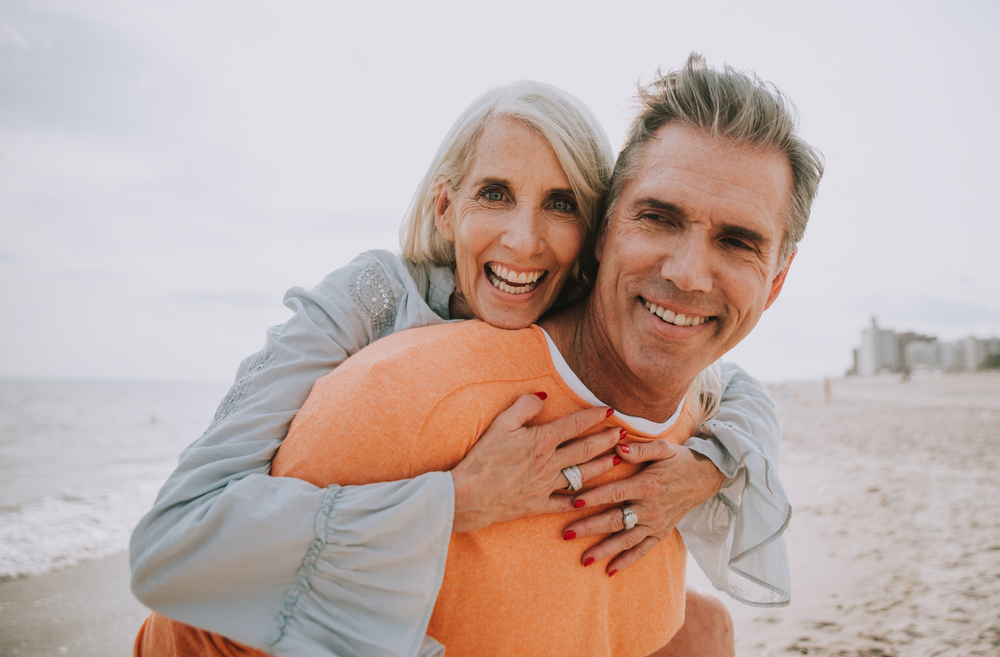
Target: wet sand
x,y
894,540
84,610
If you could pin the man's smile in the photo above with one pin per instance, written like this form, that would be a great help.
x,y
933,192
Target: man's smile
x,y
677,319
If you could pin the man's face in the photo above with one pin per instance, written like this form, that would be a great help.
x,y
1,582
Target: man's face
x,y
695,234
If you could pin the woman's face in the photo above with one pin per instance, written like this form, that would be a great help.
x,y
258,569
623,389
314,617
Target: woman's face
x,y
516,228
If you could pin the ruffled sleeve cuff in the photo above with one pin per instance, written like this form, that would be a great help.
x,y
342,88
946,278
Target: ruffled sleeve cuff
x,y
372,575
736,537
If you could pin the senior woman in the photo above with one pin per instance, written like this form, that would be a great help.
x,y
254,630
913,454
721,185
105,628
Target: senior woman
x,y
281,565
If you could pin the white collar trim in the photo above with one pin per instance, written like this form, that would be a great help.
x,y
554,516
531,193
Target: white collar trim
x,y
584,393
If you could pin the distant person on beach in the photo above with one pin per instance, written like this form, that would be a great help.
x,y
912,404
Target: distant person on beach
x,y
365,561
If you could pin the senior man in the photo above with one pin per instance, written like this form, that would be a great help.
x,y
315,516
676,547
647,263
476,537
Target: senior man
x,y
711,193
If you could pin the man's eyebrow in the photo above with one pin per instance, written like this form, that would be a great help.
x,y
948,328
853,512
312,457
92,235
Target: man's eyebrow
x,y
662,206
748,234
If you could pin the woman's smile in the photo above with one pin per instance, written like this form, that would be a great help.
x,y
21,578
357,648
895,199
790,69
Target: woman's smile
x,y
512,281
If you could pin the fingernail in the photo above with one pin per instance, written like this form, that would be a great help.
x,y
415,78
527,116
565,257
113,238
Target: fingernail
x,y
579,504
624,448
588,561
622,434
611,412
612,573
569,536
616,460
540,395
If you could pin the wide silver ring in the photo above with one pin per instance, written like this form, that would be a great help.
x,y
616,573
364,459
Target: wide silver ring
x,y
573,476
629,518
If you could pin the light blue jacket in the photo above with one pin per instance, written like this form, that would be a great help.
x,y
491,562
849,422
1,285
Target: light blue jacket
x,y
283,566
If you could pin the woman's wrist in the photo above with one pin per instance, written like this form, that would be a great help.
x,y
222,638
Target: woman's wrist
x,y
711,475
470,511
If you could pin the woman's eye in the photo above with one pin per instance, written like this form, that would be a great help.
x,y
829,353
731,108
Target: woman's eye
x,y
492,194
563,205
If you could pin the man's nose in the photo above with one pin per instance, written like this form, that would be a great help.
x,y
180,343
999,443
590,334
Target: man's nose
x,y
523,233
688,266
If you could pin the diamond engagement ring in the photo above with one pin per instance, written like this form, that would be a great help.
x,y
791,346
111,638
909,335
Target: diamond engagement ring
x,y
629,518
573,476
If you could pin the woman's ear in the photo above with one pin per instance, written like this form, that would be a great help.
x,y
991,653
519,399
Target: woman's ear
x,y
442,217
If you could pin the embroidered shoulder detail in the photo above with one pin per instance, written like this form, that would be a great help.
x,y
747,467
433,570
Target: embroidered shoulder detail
x,y
238,392
372,294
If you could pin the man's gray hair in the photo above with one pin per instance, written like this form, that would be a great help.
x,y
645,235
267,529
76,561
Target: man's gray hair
x,y
576,136
733,106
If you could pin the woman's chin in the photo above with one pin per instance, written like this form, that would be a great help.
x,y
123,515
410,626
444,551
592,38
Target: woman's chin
x,y
511,311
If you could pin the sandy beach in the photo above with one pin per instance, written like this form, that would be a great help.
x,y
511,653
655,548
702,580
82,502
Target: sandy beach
x,y
895,534
894,540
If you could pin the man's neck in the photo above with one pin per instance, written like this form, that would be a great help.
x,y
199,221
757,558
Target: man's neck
x,y
580,337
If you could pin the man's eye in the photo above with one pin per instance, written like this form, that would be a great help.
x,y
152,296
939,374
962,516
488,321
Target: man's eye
x,y
738,244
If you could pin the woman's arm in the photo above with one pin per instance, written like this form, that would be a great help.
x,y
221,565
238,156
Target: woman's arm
x,y
721,490
228,548
282,565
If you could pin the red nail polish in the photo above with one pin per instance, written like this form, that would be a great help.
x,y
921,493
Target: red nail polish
x,y
624,448
579,504
622,434
569,536
611,412
540,395
588,561
612,573
616,460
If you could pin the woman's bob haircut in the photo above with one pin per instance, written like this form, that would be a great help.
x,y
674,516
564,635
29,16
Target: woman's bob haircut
x,y
571,129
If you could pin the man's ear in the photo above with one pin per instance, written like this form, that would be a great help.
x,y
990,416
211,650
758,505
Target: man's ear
x,y
777,282
442,218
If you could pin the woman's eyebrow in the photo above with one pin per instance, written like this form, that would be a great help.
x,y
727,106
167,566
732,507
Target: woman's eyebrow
x,y
492,180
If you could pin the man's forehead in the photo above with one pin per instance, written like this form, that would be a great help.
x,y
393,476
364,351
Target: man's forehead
x,y
697,172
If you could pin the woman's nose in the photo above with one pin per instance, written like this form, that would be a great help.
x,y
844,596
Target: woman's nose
x,y
523,233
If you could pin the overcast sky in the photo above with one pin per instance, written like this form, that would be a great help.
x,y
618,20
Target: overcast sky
x,y
168,170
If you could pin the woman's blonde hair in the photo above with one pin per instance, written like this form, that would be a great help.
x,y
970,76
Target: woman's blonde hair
x,y
571,129
706,393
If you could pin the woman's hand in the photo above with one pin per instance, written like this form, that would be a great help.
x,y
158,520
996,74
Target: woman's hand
x,y
514,470
675,480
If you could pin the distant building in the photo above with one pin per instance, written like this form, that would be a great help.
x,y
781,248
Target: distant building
x,y
879,351
884,350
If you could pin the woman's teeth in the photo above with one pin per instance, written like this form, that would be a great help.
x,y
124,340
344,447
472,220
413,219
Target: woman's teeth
x,y
671,317
512,282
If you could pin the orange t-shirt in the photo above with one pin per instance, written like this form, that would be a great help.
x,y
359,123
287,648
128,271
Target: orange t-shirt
x,y
416,402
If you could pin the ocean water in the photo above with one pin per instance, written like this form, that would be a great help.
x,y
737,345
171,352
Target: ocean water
x,y
82,461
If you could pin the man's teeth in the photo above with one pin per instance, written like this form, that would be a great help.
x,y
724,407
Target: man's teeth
x,y
669,316
505,279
